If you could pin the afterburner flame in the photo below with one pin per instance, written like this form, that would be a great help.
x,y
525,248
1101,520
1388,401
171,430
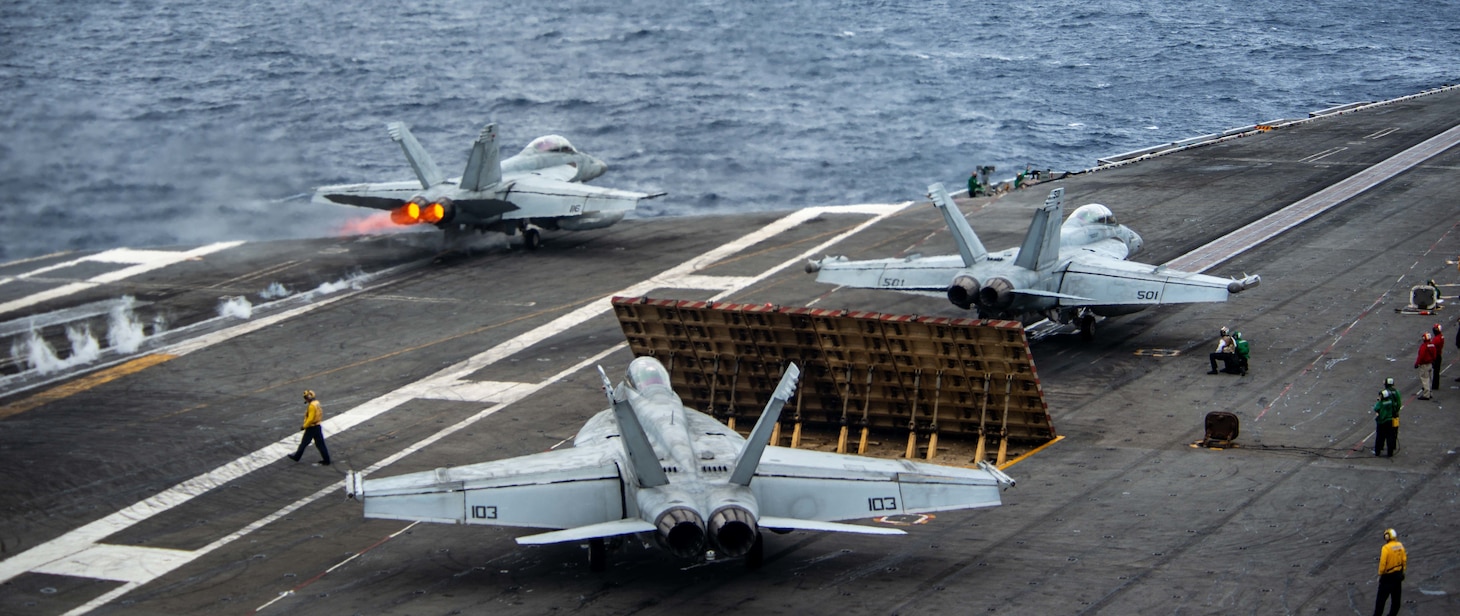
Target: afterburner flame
x,y
374,223
433,213
408,214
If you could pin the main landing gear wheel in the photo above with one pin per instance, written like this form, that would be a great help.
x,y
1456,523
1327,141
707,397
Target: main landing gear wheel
x,y
531,239
597,555
1087,327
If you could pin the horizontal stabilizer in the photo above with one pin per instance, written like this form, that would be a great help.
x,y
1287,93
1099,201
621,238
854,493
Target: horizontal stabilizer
x,y
615,528
833,527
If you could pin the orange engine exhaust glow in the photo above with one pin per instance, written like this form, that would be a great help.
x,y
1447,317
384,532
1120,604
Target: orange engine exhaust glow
x,y
408,214
374,223
433,213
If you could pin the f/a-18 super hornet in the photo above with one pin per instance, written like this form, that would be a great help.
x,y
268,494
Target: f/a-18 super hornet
x,y
1066,273
651,467
539,188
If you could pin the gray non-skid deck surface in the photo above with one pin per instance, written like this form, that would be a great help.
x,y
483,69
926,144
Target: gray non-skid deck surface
x,y
1121,517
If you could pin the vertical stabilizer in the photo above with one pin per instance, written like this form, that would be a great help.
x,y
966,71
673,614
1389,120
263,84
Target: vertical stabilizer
x,y
484,166
760,436
636,442
1041,248
969,247
421,162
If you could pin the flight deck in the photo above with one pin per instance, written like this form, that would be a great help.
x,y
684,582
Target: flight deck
x,y
155,480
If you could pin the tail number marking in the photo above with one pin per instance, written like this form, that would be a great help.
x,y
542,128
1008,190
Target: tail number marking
x,y
885,503
484,512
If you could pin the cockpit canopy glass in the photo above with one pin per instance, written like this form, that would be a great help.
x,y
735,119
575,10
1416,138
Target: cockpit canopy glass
x,y
550,144
1094,214
647,372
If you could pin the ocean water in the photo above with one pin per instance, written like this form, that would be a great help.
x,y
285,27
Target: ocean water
x,y
151,123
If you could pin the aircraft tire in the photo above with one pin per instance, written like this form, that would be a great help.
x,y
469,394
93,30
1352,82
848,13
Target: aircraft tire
x,y
531,239
1087,327
597,555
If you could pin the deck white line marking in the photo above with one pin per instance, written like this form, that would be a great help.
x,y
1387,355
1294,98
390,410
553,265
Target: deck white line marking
x,y
145,261
86,536
1224,248
1321,155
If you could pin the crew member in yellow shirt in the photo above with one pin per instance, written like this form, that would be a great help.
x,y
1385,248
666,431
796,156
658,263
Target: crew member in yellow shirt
x,y
1391,573
312,430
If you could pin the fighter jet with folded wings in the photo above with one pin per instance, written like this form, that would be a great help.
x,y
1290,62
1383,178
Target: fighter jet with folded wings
x,y
1066,273
539,188
650,466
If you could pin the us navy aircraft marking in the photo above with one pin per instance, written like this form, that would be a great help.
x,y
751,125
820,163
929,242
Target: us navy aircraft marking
x,y
80,553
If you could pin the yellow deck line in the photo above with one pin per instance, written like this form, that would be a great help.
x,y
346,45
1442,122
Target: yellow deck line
x,y
1031,452
84,383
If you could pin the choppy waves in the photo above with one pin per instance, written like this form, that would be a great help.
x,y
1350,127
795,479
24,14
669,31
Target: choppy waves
x,y
160,123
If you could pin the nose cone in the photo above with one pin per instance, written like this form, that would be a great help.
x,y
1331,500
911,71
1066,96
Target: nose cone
x,y
591,168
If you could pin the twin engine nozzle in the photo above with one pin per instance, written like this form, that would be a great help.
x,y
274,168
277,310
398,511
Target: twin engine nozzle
x,y
682,532
418,210
966,292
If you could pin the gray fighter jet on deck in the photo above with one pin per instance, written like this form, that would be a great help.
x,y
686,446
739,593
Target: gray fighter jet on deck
x,y
1066,273
650,466
539,188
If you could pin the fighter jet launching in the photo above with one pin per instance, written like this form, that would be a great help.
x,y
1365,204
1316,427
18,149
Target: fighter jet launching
x,y
539,188
1066,273
650,466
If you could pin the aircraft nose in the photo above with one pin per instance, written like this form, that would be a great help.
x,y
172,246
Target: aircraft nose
x,y
1136,244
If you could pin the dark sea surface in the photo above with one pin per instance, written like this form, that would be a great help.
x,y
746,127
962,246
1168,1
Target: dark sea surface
x,y
156,123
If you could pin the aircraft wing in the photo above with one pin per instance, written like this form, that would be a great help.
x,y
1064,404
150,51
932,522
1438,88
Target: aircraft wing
x,y
538,196
557,489
1103,281
916,275
799,484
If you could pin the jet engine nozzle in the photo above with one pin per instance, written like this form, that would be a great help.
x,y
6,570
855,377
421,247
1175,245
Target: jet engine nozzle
x,y
437,211
408,214
963,292
733,530
681,531
998,293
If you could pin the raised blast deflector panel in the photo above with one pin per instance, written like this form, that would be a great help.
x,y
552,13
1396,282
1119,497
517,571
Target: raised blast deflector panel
x,y
886,372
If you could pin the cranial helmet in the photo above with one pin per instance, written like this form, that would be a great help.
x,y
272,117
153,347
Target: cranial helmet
x,y
1389,382
1390,535
309,394
1437,327
1383,393
1224,331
